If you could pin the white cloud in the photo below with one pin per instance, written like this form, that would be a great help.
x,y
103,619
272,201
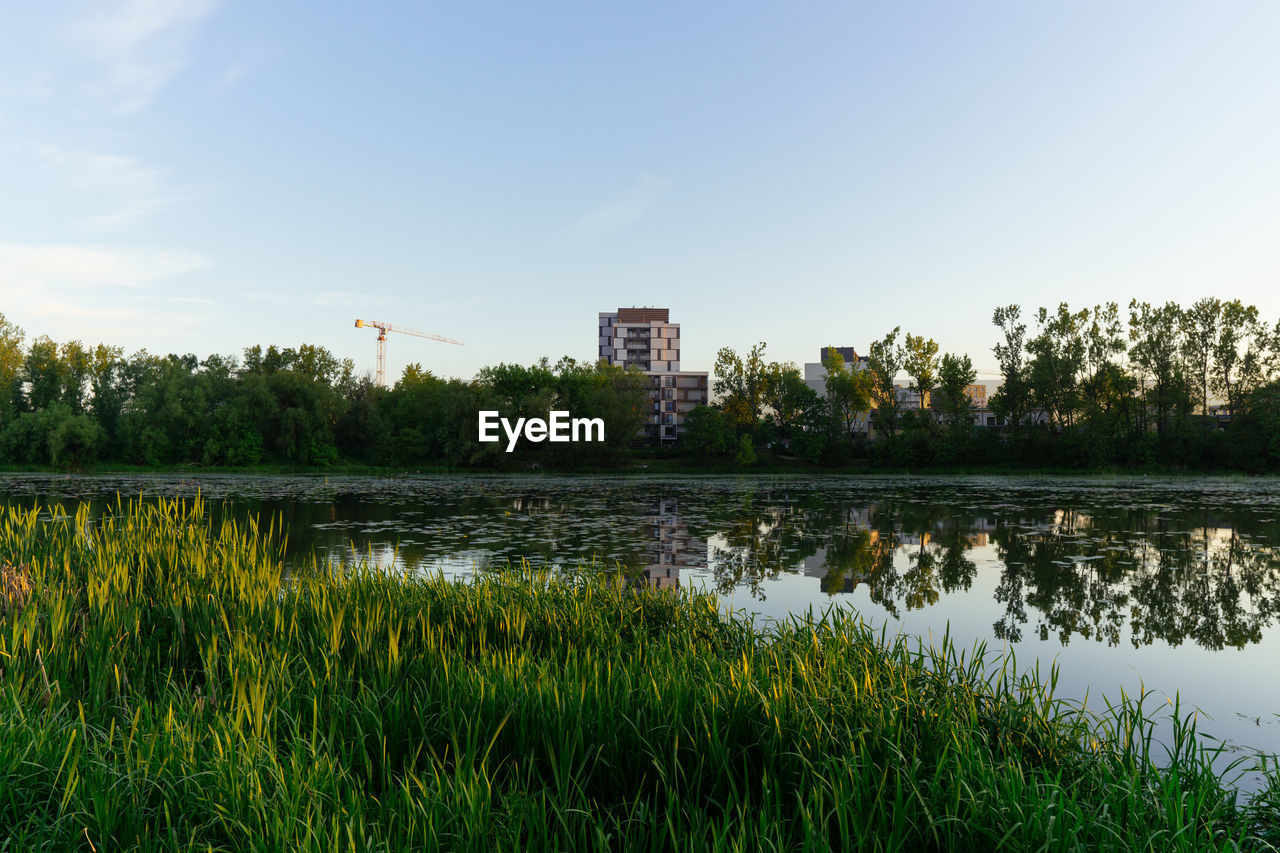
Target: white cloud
x,y
140,44
99,293
123,216
624,210
65,309
37,266
92,171
130,189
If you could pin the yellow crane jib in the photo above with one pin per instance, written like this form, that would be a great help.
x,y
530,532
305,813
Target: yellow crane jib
x,y
383,328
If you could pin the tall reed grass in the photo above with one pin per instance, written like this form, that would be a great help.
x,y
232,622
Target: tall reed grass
x,y
164,685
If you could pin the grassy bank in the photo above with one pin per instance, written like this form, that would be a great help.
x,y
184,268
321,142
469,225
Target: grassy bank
x,y
164,686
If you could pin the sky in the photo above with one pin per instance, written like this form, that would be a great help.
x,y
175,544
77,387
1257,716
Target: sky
x,y
207,175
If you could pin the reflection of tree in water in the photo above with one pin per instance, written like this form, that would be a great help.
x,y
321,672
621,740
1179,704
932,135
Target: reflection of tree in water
x,y
1064,570
935,541
853,557
1086,575
1214,592
855,543
1065,573
757,544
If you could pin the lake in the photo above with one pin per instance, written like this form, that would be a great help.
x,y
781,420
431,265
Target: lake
x,y
1168,584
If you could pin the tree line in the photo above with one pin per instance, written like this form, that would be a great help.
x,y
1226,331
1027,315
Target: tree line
x,y
1194,387
69,405
1153,386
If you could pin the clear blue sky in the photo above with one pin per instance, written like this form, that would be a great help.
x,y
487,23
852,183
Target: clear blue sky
x,y
203,176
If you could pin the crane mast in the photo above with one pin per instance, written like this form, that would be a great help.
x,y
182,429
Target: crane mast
x,y
383,328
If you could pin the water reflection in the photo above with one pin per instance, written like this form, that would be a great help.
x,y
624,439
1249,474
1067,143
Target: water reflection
x,y
1114,564
669,546
1086,575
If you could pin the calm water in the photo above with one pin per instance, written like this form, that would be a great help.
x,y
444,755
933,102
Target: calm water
x,y
1169,584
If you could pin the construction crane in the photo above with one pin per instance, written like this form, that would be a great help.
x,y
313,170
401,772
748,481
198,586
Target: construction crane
x,y
383,328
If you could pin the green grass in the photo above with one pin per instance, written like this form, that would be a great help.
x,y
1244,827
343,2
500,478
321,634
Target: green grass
x,y
197,698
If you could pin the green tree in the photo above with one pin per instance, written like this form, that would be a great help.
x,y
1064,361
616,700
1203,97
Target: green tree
x,y
1271,357
11,370
1155,352
1104,343
1199,338
1238,352
618,396
308,409
955,375
26,438
320,365
106,397
1011,402
921,364
884,361
788,402
740,386
167,418
75,442
709,431
76,367
1255,433
849,393
1057,360
42,373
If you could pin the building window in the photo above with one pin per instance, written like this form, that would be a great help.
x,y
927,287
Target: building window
x,y
669,431
671,407
668,419
669,381
668,393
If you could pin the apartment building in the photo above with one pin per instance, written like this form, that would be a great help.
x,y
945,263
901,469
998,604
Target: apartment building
x,y
815,376
646,339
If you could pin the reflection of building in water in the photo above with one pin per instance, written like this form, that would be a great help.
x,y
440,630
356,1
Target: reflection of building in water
x,y
976,530
530,504
832,581
859,517
669,547
976,539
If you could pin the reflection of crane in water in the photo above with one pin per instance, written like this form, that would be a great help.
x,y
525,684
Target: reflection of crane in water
x,y
383,328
